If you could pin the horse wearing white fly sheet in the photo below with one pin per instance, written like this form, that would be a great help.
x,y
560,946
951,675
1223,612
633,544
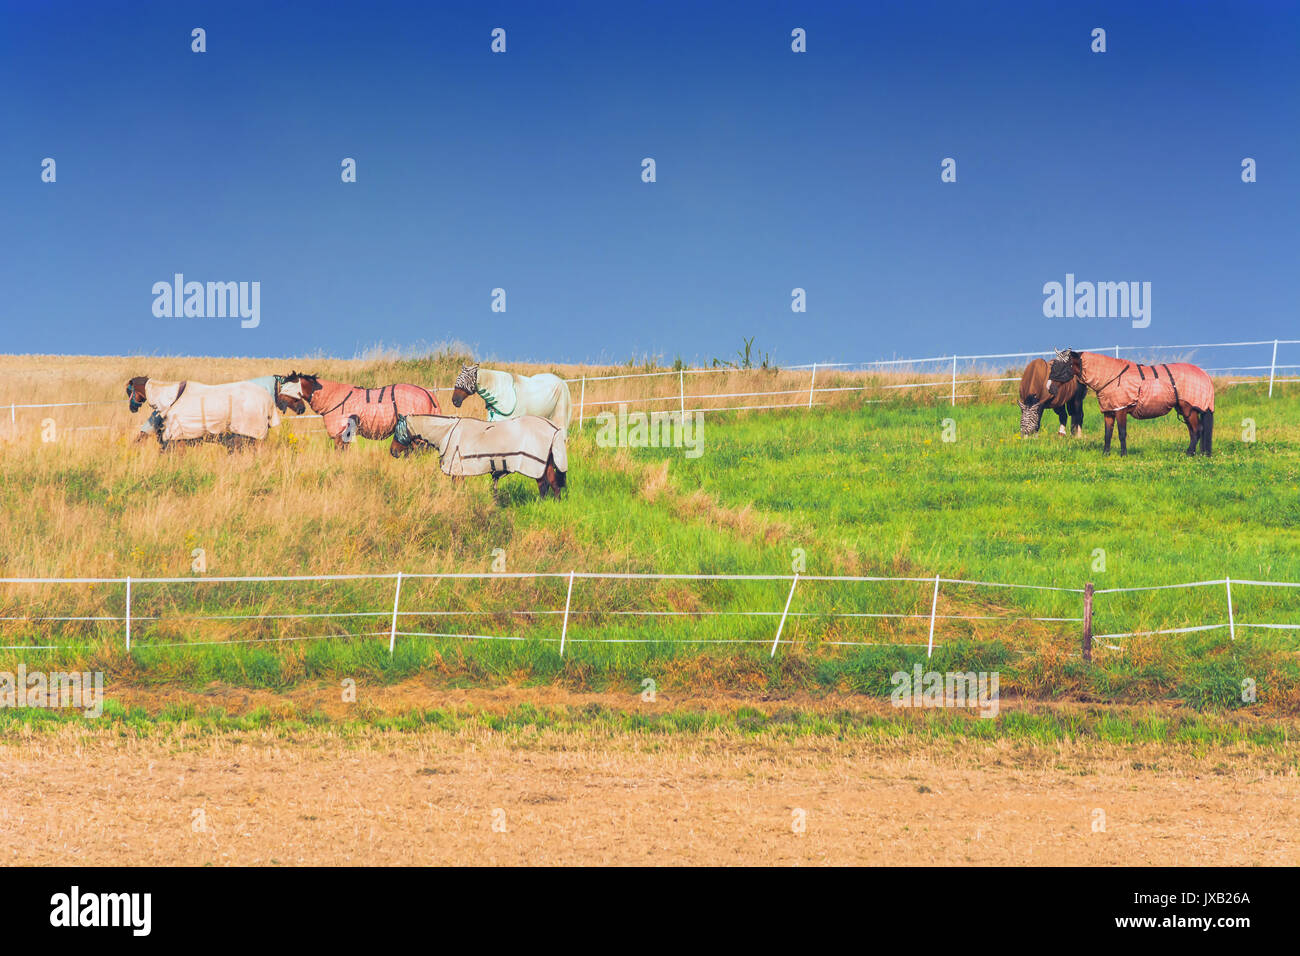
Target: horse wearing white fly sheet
x,y
154,421
507,395
529,445
190,411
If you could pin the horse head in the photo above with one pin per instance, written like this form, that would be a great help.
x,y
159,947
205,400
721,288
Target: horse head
x,y
283,402
466,384
1066,366
1031,416
297,387
403,440
135,391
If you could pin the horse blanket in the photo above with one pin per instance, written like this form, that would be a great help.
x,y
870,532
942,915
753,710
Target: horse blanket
x,y
507,395
192,410
1146,391
376,409
469,446
154,421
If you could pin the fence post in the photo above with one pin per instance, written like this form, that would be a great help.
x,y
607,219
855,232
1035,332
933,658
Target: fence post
x,y
954,380
1272,370
582,400
681,385
128,614
1087,621
1232,625
1117,351
812,386
934,606
392,631
564,630
780,627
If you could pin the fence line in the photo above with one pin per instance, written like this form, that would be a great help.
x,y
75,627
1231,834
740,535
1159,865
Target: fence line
x,y
950,381
132,583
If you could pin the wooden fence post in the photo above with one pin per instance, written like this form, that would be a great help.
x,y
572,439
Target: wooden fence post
x,y
954,380
812,386
1087,621
582,400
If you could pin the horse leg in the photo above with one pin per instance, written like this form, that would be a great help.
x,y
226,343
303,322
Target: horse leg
x,y
1193,427
1110,427
1123,432
1061,414
1076,413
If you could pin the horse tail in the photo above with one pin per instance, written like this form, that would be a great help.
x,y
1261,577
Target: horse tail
x,y
563,413
560,449
1207,431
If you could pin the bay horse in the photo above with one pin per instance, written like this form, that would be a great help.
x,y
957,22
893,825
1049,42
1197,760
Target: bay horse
x,y
350,410
1035,395
529,445
1142,391
507,395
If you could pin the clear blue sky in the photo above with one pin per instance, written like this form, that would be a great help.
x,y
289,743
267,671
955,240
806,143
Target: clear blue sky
x,y
522,171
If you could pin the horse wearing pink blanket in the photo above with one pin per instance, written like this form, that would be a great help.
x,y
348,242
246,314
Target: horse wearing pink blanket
x,y
1129,389
350,410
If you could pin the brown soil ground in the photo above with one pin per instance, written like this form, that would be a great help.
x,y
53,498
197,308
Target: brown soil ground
x,y
87,795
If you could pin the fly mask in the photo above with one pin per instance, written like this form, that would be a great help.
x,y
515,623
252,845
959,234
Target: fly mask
x,y
467,380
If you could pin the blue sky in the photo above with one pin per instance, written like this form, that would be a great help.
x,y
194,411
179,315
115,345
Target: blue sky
x,y
522,171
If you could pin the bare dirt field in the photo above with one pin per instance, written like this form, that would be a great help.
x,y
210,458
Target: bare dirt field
x,y
81,794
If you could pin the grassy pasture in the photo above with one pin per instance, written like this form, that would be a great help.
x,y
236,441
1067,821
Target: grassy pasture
x,y
863,486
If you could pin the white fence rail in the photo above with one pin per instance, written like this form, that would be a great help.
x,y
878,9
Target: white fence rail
x,y
131,585
946,366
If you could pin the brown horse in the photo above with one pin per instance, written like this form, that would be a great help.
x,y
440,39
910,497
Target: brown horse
x,y
349,410
1035,396
1143,391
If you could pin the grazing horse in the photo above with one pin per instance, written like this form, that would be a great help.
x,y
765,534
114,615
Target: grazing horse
x,y
1143,391
507,395
234,414
529,445
349,410
1035,396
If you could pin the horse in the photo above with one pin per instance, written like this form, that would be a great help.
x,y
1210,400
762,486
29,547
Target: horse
x,y
1035,396
529,445
1143,391
271,383
349,410
507,395
235,414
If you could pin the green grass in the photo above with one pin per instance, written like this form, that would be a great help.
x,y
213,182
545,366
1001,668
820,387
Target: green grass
x,y
871,490
1034,727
